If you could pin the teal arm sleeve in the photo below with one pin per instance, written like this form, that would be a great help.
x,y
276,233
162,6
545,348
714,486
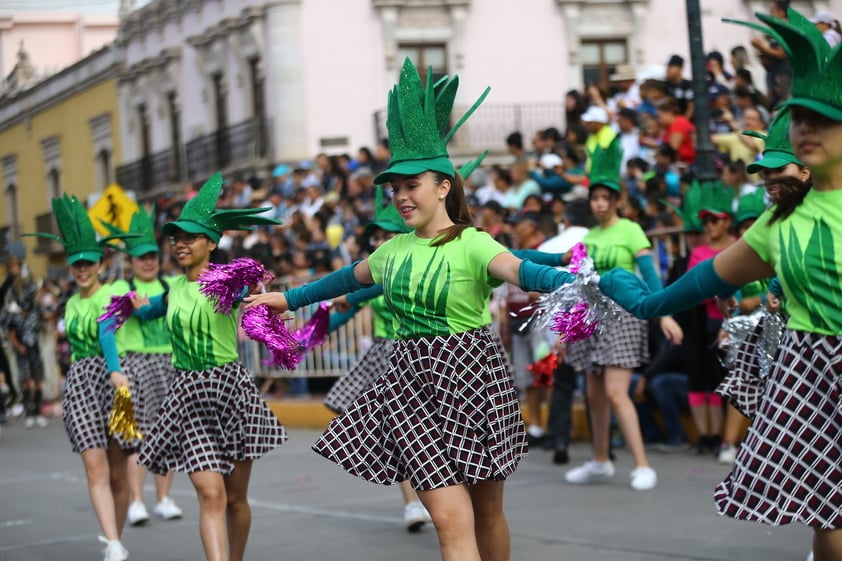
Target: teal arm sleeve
x,y
329,286
539,257
360,296
648,272
156,308
338,319
776,288
694,286
540,278
108,343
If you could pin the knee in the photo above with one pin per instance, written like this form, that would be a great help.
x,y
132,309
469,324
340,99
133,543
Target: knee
x,y
212,496
451,523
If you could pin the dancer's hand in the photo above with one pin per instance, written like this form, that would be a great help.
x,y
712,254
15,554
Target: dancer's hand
x,y
341,304
773,303
276,301
118,380
139,301
672,331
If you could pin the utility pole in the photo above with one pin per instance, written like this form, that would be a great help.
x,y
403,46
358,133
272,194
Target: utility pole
x,y
705,166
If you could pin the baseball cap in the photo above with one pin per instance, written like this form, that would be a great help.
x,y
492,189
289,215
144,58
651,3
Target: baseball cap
x,y
551,160
595,114
823,16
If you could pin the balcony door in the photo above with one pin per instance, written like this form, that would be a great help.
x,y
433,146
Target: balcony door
x,y
599,59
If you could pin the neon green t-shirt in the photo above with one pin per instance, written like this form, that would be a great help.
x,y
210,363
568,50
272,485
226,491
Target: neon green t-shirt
x,y
616,246
805,250
81,325
385,324
201,338
432,291
147,336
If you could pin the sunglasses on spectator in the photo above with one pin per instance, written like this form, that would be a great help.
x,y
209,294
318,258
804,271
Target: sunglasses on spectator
x,y
711,219
188,239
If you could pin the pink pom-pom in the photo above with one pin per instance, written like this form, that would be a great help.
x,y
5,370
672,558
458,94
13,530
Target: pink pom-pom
x,y
120,309
223,284
575,324
579,252
264,326
315,331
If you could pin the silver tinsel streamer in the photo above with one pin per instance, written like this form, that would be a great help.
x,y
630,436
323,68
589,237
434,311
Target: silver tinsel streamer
x,y
550,307
740,328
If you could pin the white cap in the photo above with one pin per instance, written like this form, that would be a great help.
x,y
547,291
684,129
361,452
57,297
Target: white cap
x,y
550,160
595,114
823,16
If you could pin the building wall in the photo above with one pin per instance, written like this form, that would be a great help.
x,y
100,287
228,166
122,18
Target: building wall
x,y
62,107
53,41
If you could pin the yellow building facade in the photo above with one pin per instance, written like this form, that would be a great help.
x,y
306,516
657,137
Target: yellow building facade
x,y
59,136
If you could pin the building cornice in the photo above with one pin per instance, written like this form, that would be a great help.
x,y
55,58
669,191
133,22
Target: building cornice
x,y
88,72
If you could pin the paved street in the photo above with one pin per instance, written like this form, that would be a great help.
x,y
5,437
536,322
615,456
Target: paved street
x,y
305,508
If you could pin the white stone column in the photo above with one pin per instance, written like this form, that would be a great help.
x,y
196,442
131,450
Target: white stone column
x,y
286,102
572,21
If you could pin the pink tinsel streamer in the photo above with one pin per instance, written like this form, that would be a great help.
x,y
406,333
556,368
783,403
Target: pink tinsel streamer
x,y
579,252
120,309
266,327
223,284
315,331
574,324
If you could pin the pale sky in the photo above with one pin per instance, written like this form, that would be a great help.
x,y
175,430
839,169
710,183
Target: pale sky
x,y
74,6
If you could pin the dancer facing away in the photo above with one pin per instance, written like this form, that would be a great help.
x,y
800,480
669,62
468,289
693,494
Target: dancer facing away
x,y
148,356
789,468
444,415
608,358
94,375
213,423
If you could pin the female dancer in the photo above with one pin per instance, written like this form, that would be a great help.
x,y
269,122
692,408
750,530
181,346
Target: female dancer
x,y
148,357
608,358
94,374
788,468
444,415
213,423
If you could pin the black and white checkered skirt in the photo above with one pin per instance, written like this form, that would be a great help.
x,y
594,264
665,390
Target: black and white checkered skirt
x,y
353,383
789,468
623,343
210,419
743,386
152,375
444,413
88,400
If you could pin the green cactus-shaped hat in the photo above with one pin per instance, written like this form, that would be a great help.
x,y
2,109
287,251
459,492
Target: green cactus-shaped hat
x,y
418,119
143,225
817,68
750,206
778,151
466,169
77,233
605,165
691,205
200,215
717,200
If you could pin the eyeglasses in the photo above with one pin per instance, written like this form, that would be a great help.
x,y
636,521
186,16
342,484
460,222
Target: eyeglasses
x,y
187,239
710,219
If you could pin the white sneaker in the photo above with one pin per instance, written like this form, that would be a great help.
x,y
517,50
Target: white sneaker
x,y
590,472
810,557
415,516
643,478
727,454
114,550
16,410
138,514
29,423
41,422
167,509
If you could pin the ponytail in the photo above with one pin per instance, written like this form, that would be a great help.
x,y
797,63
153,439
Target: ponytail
x,y
457,209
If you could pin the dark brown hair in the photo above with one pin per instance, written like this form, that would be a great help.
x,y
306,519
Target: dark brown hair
x,y
792,191
457,208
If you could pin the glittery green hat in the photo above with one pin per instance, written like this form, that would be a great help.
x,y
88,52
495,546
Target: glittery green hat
x,y
778,150
751,205
386,216
200,215
691,205
605,165
717,199
816,67
142,224
77,233
466,169
418,120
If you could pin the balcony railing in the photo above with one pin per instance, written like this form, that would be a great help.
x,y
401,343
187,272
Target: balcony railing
x,y
489,126
47,223
239,145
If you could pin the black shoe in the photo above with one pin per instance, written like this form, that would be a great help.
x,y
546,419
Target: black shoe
x,y
703,445
560,457
534,441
